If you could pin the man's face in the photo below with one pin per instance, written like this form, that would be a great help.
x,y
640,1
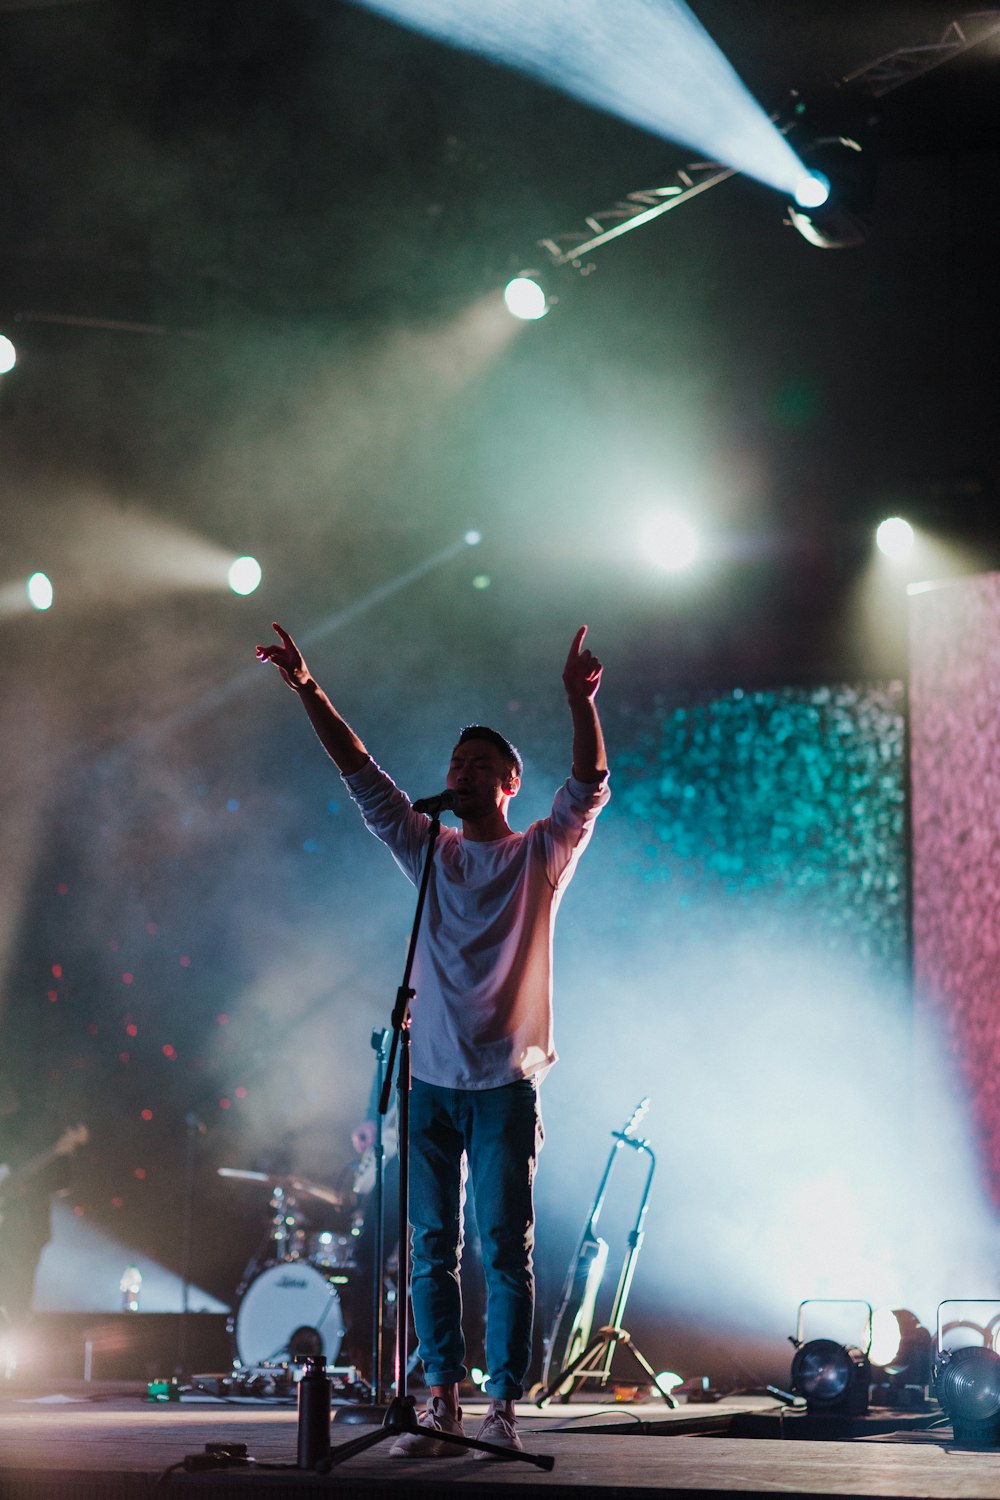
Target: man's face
x,y
482,777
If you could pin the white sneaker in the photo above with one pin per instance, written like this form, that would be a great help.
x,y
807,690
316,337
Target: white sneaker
x,y
423,1444
499,1427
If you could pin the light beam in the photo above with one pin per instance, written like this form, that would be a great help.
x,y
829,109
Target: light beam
x,y
654,66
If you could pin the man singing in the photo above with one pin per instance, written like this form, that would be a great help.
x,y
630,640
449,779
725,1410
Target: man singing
x,y
481,1024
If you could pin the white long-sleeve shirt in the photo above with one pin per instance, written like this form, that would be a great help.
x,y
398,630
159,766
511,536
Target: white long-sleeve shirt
x,y
482,972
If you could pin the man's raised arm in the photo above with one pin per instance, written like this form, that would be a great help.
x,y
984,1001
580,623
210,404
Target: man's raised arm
x,y
581,679
335,734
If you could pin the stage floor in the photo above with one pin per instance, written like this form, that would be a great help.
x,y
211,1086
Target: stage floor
x,y
106,1443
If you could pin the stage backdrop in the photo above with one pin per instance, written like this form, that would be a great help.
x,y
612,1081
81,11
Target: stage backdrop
x,y
955,725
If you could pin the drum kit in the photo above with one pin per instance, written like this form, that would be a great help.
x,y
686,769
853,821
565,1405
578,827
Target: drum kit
x,y
294,1300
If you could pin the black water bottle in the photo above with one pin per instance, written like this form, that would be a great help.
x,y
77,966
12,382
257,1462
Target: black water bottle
x,y
314,1412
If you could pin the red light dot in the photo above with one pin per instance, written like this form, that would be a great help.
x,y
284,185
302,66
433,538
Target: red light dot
x,y
152,928
225,1103
57,971
124,1057
79,1210
223,1020
127,977
240,1093
147,1114
132,1029
93,1028
169,1051
118,1203
140,1172
185,962
62,889
53,996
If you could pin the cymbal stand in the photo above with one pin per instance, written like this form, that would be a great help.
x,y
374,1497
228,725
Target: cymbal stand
x,y
401,1413
595,1361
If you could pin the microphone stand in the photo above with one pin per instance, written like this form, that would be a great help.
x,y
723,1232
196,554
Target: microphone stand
x,y
401,1414
379,1042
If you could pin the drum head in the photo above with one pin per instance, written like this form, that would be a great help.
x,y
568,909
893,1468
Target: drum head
x,y
287,1312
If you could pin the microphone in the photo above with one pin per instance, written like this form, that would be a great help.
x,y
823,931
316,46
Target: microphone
x,y
435,806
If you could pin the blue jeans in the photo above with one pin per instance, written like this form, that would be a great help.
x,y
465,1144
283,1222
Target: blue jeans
x,y
499,1132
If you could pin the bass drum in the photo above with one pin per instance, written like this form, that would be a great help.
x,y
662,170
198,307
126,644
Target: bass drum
x,y
291,1310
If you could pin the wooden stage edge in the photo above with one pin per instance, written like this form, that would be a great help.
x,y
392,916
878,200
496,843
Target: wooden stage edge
x,y
105,1442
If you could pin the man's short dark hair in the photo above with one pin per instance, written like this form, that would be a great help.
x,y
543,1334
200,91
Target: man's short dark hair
x,y
509,752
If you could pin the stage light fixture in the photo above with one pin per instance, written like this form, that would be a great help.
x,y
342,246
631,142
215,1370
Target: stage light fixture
x,y
8,354
833,1378
671,542
967,1384
900,1355
894,537
40,591
812,190
244,575
840,219
966,1377
526,298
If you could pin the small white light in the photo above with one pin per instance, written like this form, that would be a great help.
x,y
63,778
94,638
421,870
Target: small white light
x,y
812,190
8,354
525,299
244,575
894,537
473,538
481,581
885,1337
667,1380
40,591
671,542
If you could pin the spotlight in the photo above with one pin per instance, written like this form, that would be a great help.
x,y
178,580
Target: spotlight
x,y
39,590
8,354
894,537
966,1376
838,218
812,190
901,1355
244,575
526,298
671,542
833,1378
967,1384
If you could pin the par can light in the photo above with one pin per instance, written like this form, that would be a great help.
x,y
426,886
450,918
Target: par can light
x,y
833,1378
967,1384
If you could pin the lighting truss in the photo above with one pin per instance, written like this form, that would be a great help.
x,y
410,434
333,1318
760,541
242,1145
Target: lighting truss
x,y
907,63
875,79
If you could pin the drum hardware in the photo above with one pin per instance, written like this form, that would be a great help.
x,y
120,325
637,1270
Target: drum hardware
x,y
278,1382
287,1311
571,1356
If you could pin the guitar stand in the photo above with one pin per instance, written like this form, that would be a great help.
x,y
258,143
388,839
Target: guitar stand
x,y
583,1284
595,1362
401,1415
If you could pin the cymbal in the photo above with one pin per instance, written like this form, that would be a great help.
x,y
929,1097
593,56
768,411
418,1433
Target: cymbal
x,y
299,1185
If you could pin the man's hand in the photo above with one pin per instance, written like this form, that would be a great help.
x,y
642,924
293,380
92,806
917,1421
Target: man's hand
x,y
582,672
287,658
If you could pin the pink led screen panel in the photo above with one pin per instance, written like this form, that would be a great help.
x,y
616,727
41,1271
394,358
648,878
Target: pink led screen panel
x,y
955,770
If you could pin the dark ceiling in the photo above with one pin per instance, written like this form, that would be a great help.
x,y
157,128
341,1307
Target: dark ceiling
x,y
308,200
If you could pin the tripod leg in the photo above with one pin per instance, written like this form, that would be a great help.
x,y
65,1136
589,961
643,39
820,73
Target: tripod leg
x,y
576,1369
644,1364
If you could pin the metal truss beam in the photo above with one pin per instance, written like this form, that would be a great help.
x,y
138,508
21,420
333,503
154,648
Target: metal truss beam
x,y
876,79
